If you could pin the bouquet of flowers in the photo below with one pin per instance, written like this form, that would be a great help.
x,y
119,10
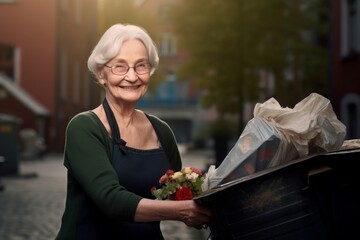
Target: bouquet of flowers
x,y
181,185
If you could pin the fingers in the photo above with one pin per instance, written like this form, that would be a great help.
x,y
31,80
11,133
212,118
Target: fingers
x,y
204,210
195,215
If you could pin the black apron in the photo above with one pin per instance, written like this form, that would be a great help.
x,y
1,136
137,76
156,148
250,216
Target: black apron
x,y
138,171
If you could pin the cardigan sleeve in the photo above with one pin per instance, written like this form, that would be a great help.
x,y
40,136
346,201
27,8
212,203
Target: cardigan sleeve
x,y
87,160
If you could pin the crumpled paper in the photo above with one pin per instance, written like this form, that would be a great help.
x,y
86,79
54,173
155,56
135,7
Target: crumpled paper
x,y
278,135
311,127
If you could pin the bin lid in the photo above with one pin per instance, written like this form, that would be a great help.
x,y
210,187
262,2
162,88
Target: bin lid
x,y
351,150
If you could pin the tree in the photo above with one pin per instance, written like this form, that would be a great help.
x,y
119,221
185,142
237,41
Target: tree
x,y
122,11
230,41
206,30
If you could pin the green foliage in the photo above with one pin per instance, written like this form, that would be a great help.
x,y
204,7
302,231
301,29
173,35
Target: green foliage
x,y
230,41
124,11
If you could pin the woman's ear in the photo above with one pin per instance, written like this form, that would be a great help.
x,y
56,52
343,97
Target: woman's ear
x,y
100,73
101,76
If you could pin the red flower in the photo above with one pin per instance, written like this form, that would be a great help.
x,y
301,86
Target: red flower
x,y
197,171
169,172
180,185
163,179
183,193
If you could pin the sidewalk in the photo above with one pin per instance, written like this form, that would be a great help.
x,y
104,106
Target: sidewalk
x,y
32,203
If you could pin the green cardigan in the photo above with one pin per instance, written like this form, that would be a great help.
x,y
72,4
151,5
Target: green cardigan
x,y
92,181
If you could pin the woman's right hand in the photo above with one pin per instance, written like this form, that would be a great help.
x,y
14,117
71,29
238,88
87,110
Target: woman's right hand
x,y
187,211
193,214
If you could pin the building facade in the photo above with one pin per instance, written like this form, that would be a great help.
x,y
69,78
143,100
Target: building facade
x,y
345,63
43,76
77,34
175,100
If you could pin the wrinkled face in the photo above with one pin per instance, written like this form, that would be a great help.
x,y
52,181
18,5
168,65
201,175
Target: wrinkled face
x,y
130,86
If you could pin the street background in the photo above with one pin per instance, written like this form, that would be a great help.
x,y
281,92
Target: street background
x,y
32,202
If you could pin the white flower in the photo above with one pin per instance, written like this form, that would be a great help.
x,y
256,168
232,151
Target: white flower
x,y
177,175
193,176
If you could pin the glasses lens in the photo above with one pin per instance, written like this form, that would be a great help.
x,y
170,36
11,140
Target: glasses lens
x,y
142,68
120,69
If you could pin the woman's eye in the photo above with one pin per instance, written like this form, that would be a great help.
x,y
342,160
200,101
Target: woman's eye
x,y
142,65
121,66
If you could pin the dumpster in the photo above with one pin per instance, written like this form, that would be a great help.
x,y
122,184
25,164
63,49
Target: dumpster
x,y
9,144
316,197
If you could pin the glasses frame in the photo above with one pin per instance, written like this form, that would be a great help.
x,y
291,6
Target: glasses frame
x,y
128,68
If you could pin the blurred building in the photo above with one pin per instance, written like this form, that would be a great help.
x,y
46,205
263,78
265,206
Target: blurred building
x,y
44,80
345,63
175,100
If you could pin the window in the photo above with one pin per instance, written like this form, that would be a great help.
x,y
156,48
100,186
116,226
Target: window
x,y
86,95
64,5
9,61
63,74
76,83
350,23
167,45
163,11
350,115
78,11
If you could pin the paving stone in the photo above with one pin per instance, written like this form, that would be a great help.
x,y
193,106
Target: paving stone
x,y
32,203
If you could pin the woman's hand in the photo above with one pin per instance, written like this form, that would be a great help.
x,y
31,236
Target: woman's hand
x,y
187,211
193,214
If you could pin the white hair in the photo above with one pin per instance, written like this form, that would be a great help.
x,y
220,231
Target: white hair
x,y
111,41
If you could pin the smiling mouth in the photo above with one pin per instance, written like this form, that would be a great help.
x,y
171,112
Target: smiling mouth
x,y
130,87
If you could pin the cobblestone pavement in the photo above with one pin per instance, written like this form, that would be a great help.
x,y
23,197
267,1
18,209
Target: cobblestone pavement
x,y
31,205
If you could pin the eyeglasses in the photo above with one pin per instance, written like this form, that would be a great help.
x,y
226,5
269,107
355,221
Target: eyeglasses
x,y
122,68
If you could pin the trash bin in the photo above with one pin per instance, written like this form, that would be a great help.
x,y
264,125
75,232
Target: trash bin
x,y
315,198
2,160
9,144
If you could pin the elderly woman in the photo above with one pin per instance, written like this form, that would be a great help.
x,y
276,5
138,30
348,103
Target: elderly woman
x,y
115,153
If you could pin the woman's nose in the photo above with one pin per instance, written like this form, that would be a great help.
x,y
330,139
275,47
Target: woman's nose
x,y
131,75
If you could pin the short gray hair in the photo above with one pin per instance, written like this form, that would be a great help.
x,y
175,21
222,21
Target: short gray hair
x,y
111,41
